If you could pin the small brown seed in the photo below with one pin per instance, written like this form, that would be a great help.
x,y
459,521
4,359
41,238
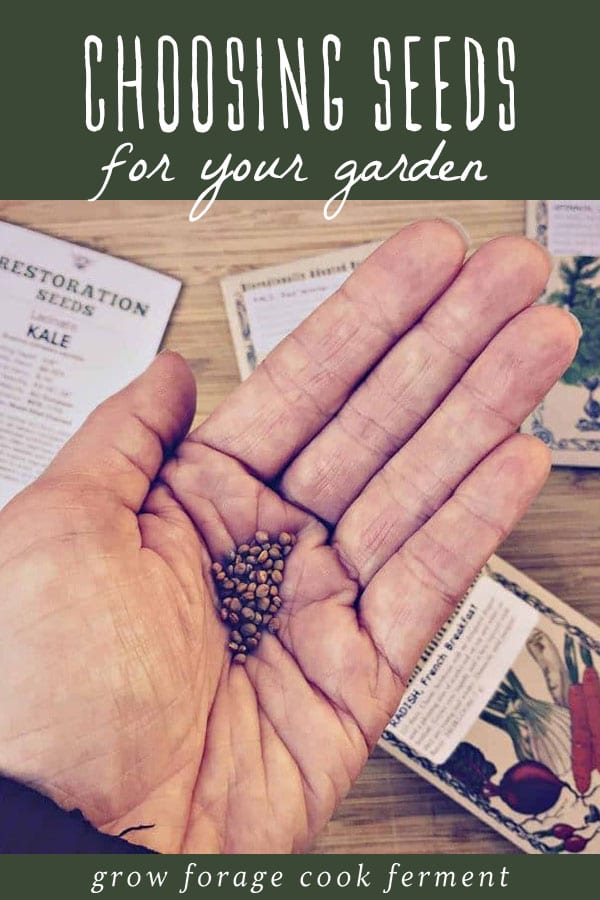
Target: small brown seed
x,y
233,646
275,552
268,564
248,596
267,618
248,629
240,568
257,618
228,584
273,609
252,587
255,549
251,576
279,565
216,568
277,576
251,560
287,550
262,556
284,538
277,602
236,636
247,613
262,603
273,626
243,548
251,643
229,570
273,590
261,537
234,618
227,602
235,604
240,659
230,556
241,587
220,577
224,614
262,590
261,577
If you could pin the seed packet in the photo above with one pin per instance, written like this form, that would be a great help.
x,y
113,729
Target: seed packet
x,y
264,305
568,419
76,325
502,713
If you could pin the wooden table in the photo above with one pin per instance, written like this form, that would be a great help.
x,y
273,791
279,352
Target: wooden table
x,y
389,809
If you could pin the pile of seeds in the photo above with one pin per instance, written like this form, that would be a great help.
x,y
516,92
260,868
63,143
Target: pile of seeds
x,y
248,583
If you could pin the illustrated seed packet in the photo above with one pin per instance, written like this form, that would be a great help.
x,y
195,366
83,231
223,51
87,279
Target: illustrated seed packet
x,y
502,713
76,325
568,419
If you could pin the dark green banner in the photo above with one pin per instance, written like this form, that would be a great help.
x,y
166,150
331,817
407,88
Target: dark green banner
x,y
309,877
314,100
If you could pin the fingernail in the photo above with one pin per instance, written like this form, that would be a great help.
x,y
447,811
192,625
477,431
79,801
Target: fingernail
x,y
577,323
459,227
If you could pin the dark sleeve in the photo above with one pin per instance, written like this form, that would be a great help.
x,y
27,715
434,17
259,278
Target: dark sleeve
x,y
32,823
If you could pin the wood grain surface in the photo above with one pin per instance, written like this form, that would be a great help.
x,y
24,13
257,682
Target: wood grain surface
x,y
390,809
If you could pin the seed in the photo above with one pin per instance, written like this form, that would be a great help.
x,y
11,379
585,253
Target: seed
x,y
262,590
230,556
248,596
287,550
251,560
257,618
252,643
275,552
252,587
262,556
261,576
279,565
234,618
247,613
267,618
229,570
243,549
276,602
216,568
235,604
277,576
248,629
262,603
273,609
228,584
233,646
268,564
240,568
242,587
273,590
273,626
251,576
220,576
223,613
255,550
261,537
240,658
284,538
236,636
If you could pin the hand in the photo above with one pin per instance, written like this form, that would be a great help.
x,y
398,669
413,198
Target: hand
x,y
382,433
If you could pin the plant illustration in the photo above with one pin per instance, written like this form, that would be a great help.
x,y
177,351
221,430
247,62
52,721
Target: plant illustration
x,y
582,298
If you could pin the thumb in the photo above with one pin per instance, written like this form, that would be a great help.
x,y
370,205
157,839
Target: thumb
x,y
120,448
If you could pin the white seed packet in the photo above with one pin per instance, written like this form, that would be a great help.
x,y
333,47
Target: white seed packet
x,y
76,325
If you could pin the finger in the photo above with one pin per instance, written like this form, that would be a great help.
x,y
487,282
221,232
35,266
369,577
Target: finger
x,y
122,445
502,278
305,380
491,400
415,592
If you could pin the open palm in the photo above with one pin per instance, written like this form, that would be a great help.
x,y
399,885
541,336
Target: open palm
x,y
382,434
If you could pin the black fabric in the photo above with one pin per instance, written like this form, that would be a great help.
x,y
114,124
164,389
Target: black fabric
x,y
32,823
